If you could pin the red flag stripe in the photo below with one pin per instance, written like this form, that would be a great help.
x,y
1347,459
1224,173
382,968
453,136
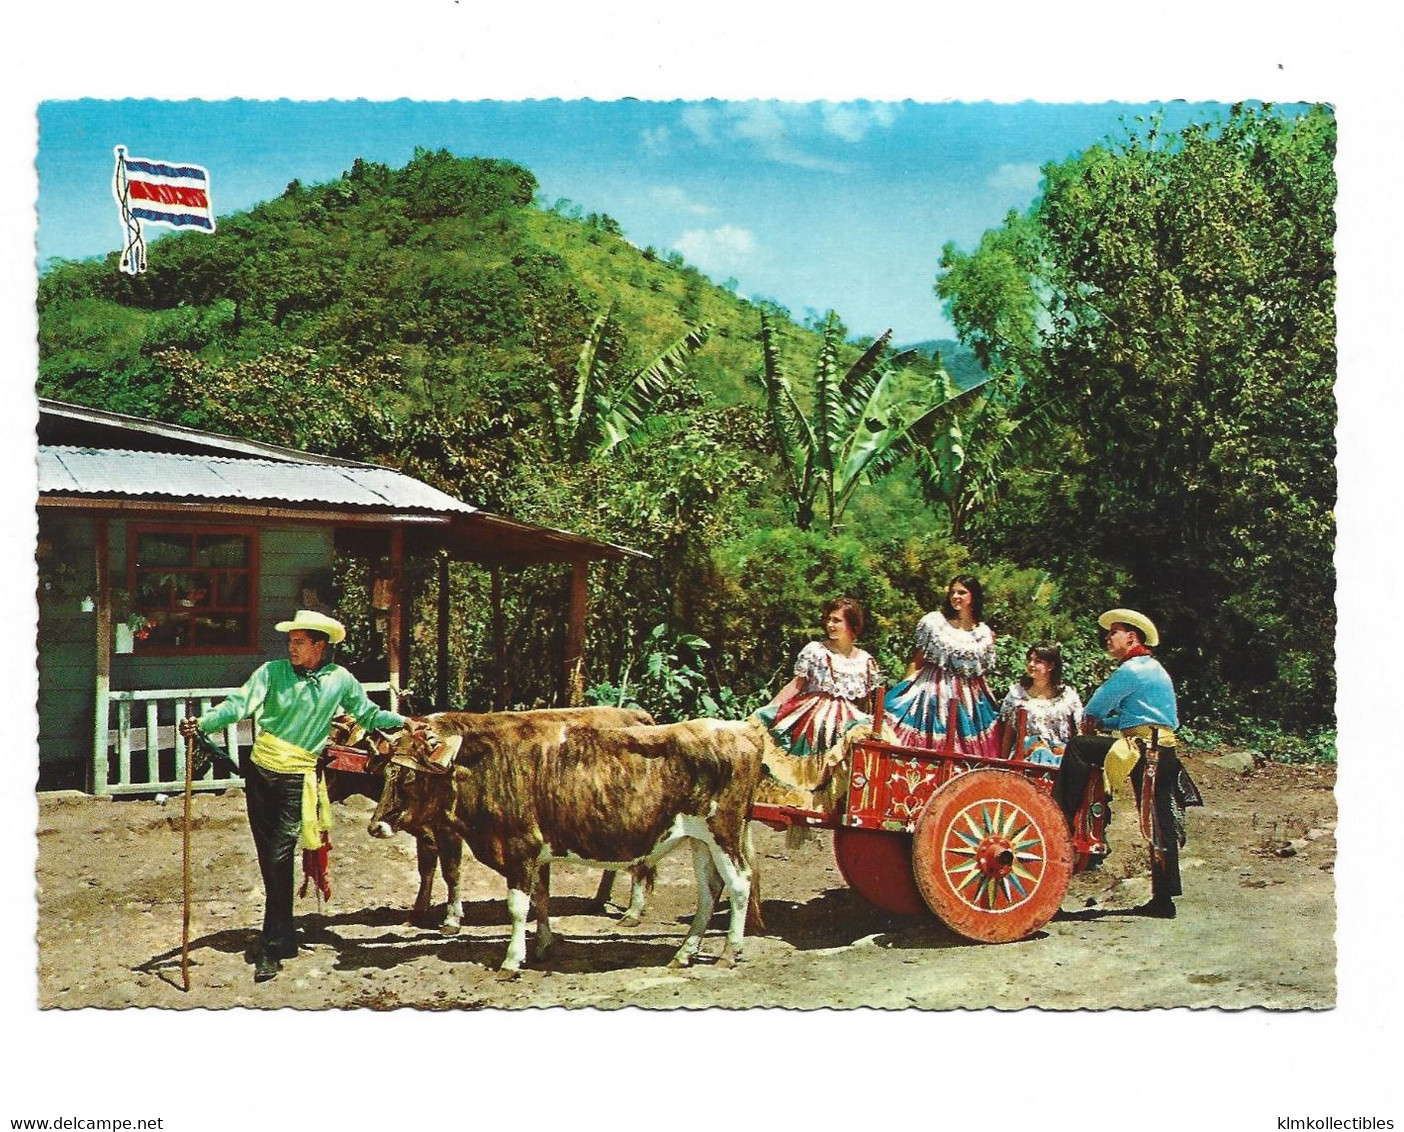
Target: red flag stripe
x,y
169,194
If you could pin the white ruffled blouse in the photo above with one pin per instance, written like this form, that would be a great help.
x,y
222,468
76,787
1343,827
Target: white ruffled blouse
x,y
1054,720
849,677
966,652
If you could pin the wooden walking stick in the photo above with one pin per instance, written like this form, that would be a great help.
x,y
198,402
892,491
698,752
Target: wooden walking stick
x,y
185,867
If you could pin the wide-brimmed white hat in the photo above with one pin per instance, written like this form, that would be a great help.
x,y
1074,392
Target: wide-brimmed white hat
x,y
1131,617
317,622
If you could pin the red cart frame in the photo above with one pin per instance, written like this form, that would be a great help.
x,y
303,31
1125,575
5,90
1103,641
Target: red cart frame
x,y
978,841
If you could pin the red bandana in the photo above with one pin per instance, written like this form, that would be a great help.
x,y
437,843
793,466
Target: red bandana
x,y
1137,649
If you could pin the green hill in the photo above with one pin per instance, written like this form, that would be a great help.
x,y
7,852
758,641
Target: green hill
x,y
959,360
445,266
439,288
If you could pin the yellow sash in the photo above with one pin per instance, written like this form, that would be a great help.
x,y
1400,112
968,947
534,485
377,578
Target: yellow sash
x,y
1163,735
282,757
1124,754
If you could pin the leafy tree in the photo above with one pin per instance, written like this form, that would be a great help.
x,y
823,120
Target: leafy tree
x,y
760,595
1169,302
667,678
865,420
968,466
436,184
603,408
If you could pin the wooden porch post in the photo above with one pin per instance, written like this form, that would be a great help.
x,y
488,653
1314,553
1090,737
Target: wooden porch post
x,y
442,625
97,769
394,637
499,642
575,633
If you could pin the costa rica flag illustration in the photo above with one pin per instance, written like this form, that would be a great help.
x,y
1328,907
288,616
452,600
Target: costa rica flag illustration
x,y
158,192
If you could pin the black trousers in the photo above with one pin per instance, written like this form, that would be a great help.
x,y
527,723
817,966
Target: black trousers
x,y
1086,755
275,820
1165,864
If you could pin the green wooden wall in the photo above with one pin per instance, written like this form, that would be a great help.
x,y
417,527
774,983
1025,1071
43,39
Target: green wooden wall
x,y
288,554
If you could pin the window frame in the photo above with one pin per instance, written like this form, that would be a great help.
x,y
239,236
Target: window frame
x,y
194,531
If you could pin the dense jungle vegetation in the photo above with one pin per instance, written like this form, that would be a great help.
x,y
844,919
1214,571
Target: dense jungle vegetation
x,y
1141,413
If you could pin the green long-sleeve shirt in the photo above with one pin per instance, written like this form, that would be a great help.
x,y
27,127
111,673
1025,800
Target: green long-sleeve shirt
x,y
299,708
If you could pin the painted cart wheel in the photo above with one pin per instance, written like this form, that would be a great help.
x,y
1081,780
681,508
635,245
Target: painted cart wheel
x,y
992,855
877,865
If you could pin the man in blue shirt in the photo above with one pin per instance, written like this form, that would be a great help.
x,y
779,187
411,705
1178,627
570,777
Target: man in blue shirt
x,y
1137,704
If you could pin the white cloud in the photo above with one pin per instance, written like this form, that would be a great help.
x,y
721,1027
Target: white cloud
x,y
760,122
716,249
655,142
673,197
851,121
774,130
1015,179
700,121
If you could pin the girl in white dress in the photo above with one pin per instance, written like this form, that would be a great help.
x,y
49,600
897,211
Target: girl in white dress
x,y
1040,713
832,688
944,702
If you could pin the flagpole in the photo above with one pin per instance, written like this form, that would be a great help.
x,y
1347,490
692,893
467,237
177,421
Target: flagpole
x,y
185,866
133,260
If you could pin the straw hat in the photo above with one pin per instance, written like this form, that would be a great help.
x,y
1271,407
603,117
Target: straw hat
x,y
316,622
1131,617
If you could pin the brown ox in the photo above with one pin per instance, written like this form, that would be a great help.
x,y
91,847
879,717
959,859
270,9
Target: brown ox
x,y
443,849
342,784
524,794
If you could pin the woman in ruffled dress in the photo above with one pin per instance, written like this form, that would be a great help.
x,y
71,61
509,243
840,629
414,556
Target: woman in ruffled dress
x,y
832,688
1040,713
945,680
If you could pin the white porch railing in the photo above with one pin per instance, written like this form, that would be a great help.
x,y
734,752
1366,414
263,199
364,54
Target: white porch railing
x,y
140,752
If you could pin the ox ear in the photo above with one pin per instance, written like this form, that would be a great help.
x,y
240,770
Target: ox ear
x,y
422,765
443,749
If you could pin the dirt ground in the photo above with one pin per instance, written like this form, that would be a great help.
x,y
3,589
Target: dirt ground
x,y
1255,928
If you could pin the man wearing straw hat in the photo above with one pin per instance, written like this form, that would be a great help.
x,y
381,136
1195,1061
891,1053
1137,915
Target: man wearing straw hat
x,y
293,702
1137,704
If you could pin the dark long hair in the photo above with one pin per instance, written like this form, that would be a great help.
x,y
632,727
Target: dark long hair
x,y
1053,654
977,597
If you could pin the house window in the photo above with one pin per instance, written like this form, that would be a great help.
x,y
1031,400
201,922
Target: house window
x,y
196,587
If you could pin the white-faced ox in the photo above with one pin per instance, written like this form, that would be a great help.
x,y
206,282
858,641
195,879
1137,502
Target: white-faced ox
x,y
523,795
441,848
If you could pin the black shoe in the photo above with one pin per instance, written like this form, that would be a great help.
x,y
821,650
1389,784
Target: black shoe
x,y
1160,909
283,951
266,967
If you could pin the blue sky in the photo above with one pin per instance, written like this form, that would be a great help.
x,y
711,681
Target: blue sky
x,y
816,205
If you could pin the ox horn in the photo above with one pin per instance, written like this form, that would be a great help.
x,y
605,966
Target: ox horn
x,y
382,745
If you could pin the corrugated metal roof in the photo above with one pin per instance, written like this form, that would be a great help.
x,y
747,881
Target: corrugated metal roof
x,y
111,471
58,421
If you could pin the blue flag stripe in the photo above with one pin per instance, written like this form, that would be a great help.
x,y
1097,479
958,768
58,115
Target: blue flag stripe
x,y
179,219
159,170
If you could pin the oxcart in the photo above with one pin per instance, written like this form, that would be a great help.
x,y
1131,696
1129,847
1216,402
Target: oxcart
x,y
978,841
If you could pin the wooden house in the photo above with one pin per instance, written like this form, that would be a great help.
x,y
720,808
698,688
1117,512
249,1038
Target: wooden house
x,y
167,554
